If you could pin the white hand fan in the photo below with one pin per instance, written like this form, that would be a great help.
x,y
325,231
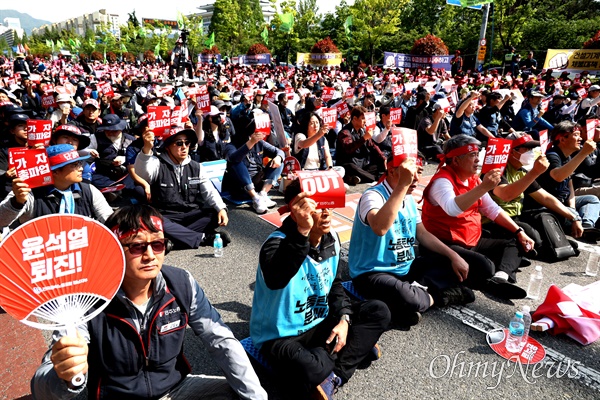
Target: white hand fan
x,y
59,271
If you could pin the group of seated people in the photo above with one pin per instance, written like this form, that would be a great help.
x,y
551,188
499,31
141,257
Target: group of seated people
x,y
474,232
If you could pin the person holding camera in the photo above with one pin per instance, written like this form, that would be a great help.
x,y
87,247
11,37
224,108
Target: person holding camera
x,y
180,57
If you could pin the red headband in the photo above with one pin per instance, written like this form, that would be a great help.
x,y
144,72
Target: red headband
x,y
63,157
469,148
156,221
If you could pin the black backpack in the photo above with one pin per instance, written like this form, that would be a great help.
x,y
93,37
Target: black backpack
x,y
555,245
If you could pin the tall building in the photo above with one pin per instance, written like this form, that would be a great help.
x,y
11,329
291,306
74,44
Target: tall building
x,y
207,7
10,29
84,22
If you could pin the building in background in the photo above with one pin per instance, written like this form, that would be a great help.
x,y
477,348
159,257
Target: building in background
x,y
207,8
10,30
84,22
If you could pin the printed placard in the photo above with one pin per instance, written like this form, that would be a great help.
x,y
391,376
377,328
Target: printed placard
x,y
370,122
404,144
203,99
48,100
290,165
47,88
544,105
271,96
289,91
159,120
349,93
445,104
327,94
342,108
263,124
329,116
248,93
496,154
39,131
582,92
590,126
32,166
396,116
106,89
326,188
544,141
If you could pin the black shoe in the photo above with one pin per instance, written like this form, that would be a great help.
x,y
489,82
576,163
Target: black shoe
x,y
459,295
591,234
525,262
373,355
209,238
405,321
504,290
354,180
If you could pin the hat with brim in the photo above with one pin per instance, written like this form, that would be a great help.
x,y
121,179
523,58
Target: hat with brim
x,y
594,88
65,98
112,122
535,93
169,137
63,154
523,140
18,119
73,131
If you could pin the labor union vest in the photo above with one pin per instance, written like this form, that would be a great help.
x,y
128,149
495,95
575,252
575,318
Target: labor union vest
x,y
46,202
170,194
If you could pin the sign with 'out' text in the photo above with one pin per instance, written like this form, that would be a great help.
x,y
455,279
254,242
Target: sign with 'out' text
x,y
326,188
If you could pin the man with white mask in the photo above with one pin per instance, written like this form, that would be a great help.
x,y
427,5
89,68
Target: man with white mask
x,y
525,165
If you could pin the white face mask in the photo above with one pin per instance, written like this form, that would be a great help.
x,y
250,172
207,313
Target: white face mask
x,y
527,159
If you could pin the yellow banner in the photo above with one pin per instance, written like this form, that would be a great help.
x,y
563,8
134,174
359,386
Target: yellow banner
x,y
319,59
573,60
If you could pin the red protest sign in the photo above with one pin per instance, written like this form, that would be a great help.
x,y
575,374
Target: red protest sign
x,y
289,91
329,116
48,101
11,161
326,188
396,116
370,122
581,92
369,88
70,88
544,141
397,90
263,124
349,93
544,105
39,131
271,96
176,115
87,92
106,89
47,88
404,144
445,104
342,108
327,94
248,93
159,120
32,166
590,127
290,164
184,110
203,99
496,154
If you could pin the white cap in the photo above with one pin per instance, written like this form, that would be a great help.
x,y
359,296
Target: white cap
x,y
538,267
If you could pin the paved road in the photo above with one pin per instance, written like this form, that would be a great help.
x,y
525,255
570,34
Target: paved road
x,y
441,358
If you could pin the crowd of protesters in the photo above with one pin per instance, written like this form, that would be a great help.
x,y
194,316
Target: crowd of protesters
x,y
104,155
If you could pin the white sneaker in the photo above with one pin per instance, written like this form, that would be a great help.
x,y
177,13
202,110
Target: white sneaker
x,y
267,200
259,205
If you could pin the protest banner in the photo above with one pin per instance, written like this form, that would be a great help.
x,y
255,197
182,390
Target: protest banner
x,y
31,166
203,99
48,100
398,60
404,144
396,116
39,131
572,60
544,141
263,124
329,116
159,120
496,154
590,127
370,122
327,94
326,188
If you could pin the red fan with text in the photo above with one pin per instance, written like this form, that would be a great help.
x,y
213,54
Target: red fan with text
x,y
59,271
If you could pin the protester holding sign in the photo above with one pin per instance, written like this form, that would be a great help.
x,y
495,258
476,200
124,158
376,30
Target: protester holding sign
x,y
302,318
453,203
88,118
464,121
63,114
530,117
382,260
491,118
67,195
108,350
192,207
310,146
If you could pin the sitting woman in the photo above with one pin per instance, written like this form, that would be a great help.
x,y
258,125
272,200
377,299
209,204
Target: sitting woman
x,y
214,142
311,148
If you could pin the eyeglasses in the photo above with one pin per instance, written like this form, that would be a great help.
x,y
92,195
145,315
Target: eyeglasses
x,y
181,143
139,248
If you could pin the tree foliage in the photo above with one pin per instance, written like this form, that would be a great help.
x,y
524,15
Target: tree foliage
x,y
258,48
325,46
429,45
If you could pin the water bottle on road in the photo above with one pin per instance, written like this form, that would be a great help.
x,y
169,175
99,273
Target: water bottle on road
x,y
526,325
515,333
535,284
218,245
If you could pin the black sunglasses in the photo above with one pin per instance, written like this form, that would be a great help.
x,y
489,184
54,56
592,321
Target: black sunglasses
x,y
180,143
139,248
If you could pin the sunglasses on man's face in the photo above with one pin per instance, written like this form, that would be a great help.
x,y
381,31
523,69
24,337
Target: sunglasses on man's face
x,y
180,143
139,248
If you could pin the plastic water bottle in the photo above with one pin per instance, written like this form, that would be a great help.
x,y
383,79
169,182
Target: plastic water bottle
x,y
526,325
218,245
515,333
535,283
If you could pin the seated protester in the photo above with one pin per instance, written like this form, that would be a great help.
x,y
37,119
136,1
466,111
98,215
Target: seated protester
x,y
464,121
30,100
214,142
356,152
111,144
116,106
491,118
287,117
302,319
452,206
312,104
62,114
382,260
557,180
413,115
555,110
383,140
88,118
68,194
587,172
518,181
432,131
247,171
311,147
70,134
191,206
529,118
589,107
224,108
368,102
108,352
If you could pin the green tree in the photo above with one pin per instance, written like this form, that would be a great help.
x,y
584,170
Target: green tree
x,y
225,23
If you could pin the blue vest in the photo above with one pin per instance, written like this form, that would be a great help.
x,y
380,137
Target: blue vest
x,y
299,306
393,252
